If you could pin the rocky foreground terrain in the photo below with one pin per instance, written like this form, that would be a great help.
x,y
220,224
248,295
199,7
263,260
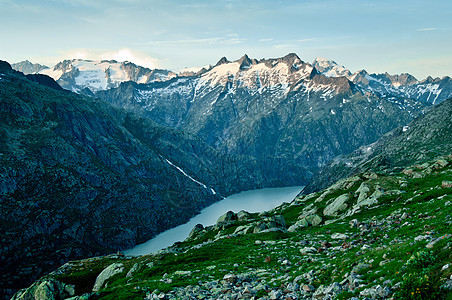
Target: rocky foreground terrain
x,y
369,236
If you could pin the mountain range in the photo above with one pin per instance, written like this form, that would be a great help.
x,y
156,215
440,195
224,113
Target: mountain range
x,y
276,107
80,75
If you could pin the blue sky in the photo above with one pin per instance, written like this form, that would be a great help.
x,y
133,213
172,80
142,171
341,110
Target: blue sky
x,y
379,35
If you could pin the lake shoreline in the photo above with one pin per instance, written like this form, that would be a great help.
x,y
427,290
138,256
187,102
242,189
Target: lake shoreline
x,y
251,201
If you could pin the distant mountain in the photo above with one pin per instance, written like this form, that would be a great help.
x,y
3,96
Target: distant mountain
x,y
81,178
27,67
330,68
389,86
77,75
269,108
426,137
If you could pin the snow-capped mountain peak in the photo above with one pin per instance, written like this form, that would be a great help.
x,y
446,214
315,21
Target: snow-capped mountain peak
x,y
330,68
79,74
260,74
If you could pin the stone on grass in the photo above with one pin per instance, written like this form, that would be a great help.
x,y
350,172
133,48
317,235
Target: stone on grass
x,y
229,216
196,230
338,205
107,273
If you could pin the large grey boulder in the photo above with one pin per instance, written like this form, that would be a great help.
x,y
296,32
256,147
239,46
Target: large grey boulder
x,y
196,230
362,192
229,216
298,225
338,205
49,289
106,274
273,223
314,219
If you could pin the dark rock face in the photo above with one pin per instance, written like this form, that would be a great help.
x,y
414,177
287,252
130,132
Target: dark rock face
x,y
80,178
422,139
44,80
5,66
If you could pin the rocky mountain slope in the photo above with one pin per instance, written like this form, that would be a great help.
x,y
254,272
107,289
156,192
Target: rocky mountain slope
x,y
87,76
370,236
427,136
81,178
269,108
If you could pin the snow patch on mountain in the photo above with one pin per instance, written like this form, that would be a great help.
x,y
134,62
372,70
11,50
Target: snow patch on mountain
x,y
191,178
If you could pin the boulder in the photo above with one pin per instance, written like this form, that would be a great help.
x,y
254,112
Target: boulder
x,y
446,184
273,223
107,273
339,204
46,289
338,236
229,216
299,224
196,230
372,200
231,278
243,215
362,192
314,220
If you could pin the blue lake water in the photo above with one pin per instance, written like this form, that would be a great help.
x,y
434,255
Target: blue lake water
x,y
251,201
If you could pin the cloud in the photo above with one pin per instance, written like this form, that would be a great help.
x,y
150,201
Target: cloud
x,y
266,40
305,40
427,29
132,56
125,54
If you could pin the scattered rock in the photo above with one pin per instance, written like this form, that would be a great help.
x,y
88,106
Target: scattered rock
x,y
446,184
338,236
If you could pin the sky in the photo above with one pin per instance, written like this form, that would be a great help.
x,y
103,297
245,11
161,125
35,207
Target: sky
x,y
396,36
